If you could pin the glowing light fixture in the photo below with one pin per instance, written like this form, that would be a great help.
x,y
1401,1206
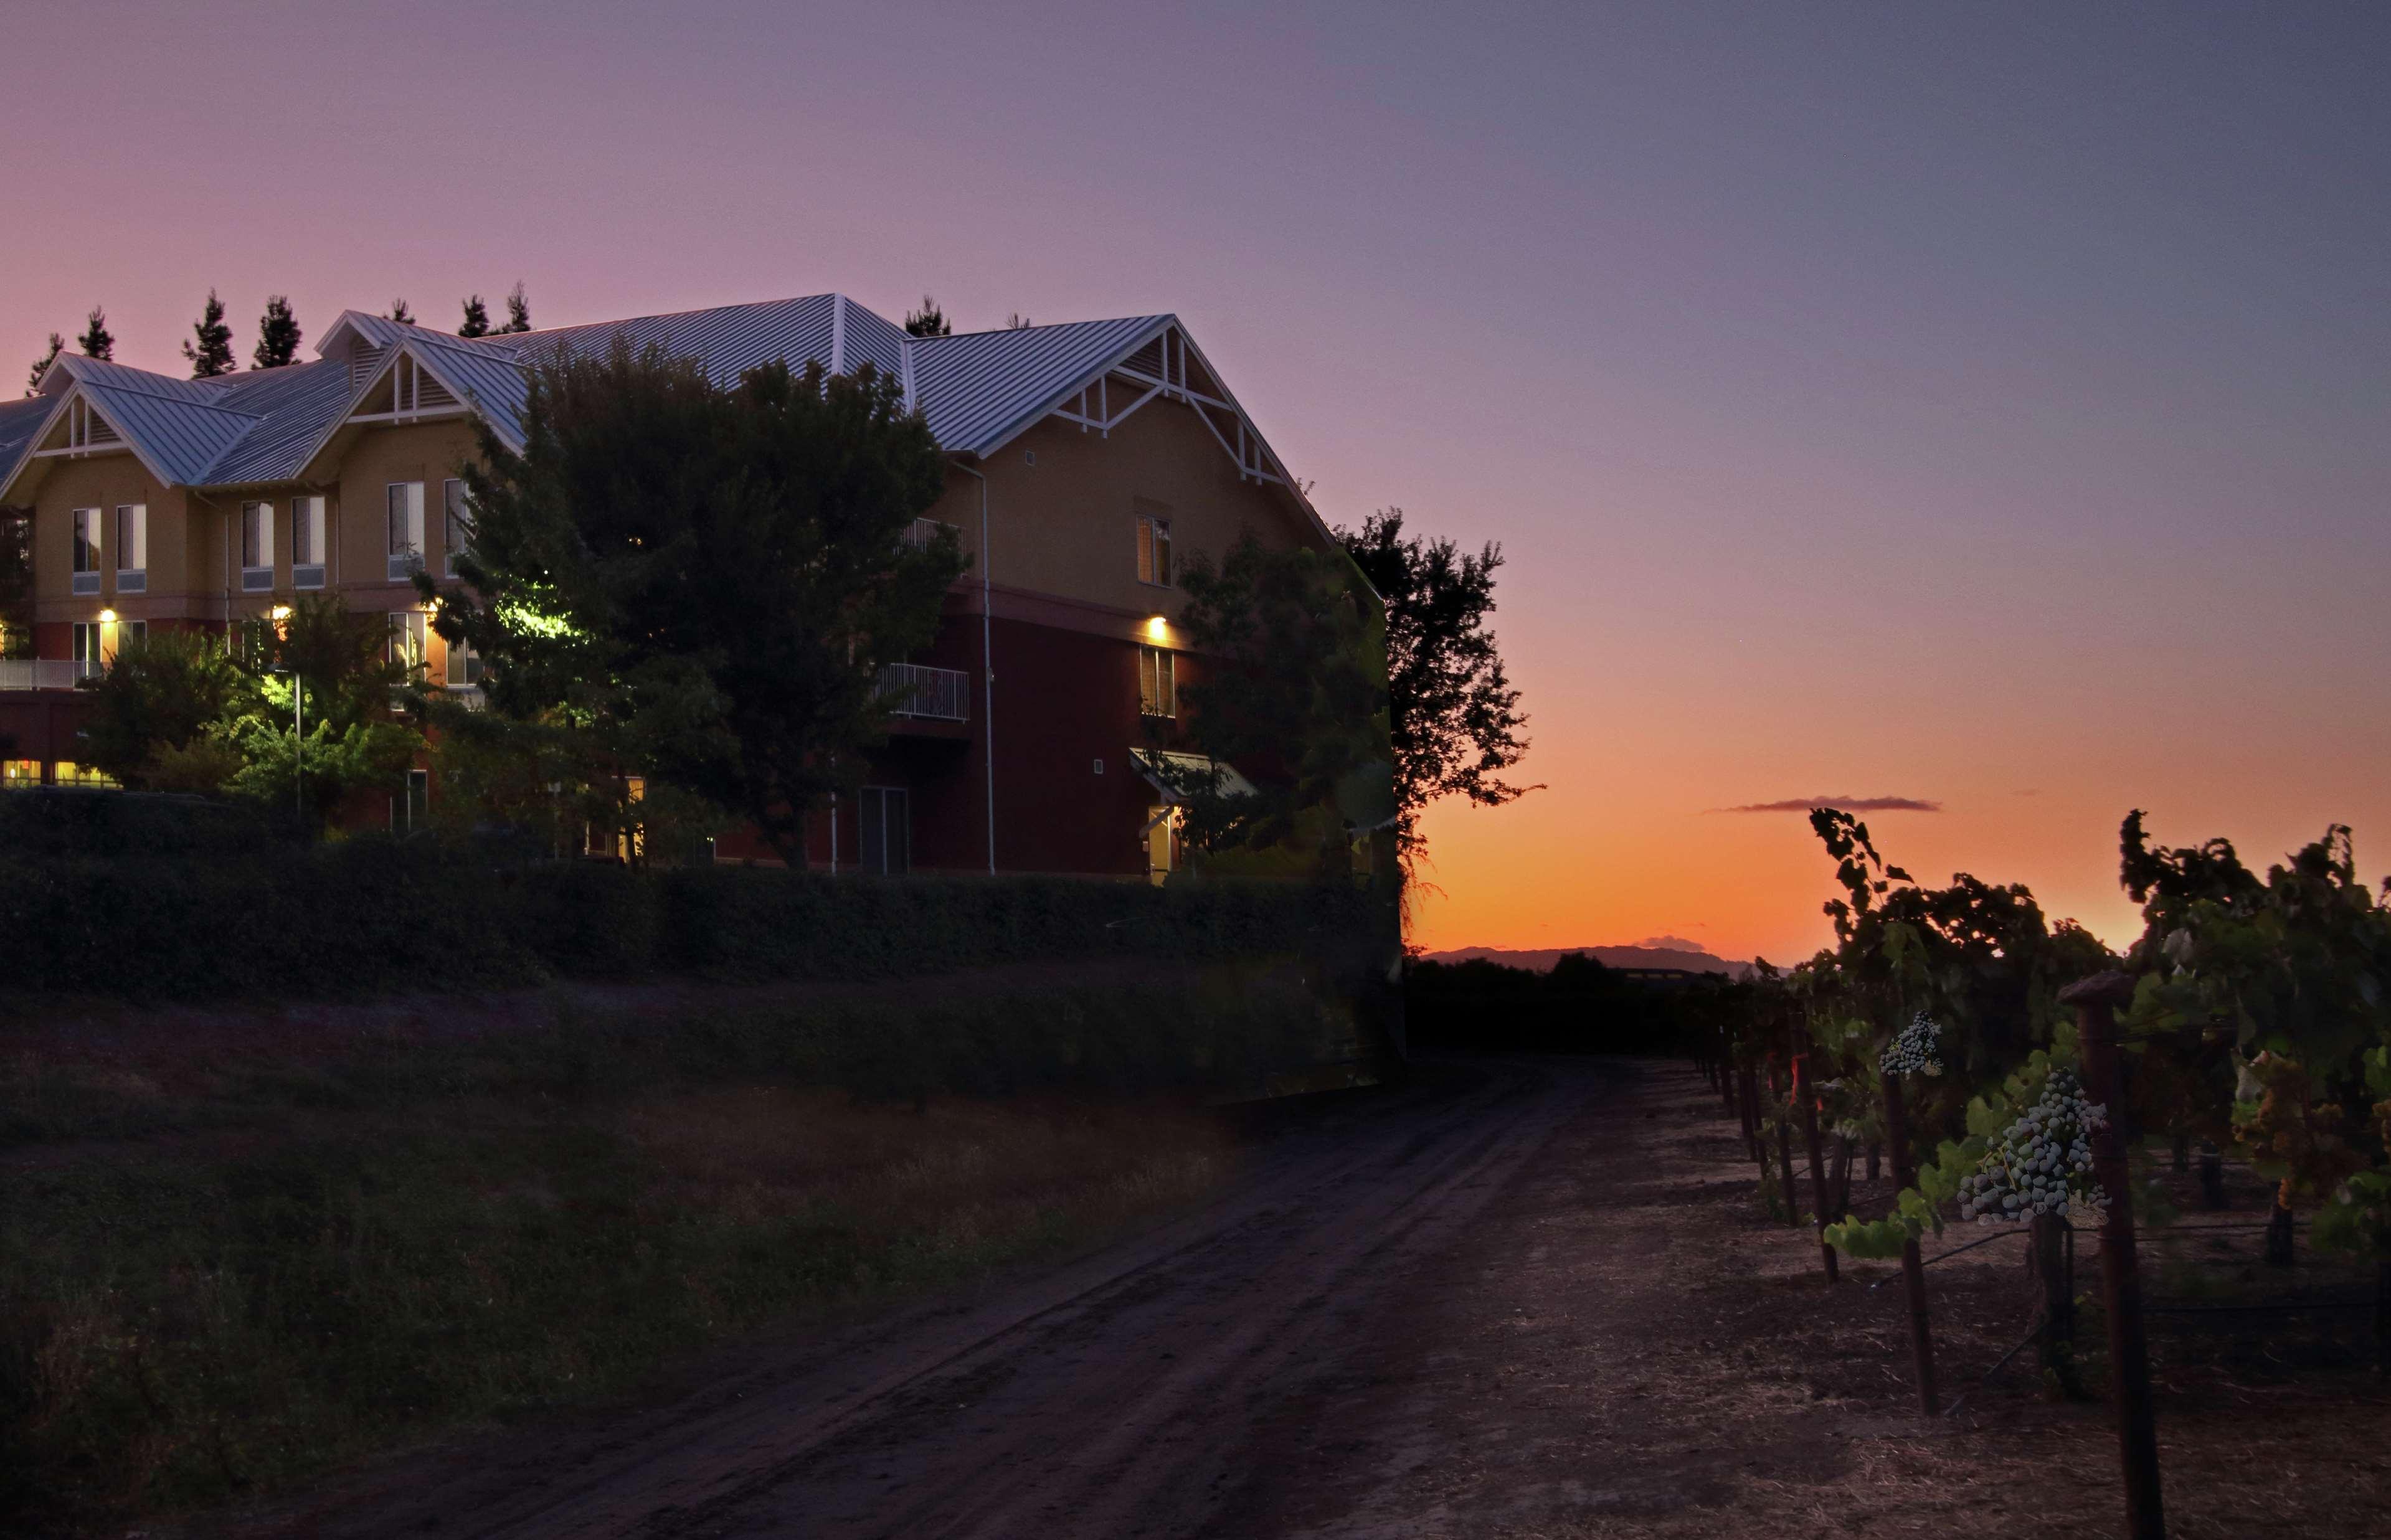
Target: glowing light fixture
x,y
1157,629
108,618
280,612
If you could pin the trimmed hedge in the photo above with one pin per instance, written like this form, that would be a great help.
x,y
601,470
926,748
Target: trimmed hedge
x,y
373,914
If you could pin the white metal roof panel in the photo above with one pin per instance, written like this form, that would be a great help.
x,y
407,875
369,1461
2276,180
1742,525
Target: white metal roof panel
x,y
979,388
296,404
180,439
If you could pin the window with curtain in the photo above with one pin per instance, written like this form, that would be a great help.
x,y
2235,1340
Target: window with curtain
x,y
457,526
1154,549
406,529
1158,686
132,537
307,542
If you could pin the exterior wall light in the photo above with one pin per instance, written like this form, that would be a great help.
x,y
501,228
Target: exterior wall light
x,y
108,618
1157,629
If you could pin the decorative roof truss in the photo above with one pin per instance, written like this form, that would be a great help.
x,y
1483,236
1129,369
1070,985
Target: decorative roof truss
x,y
1169,367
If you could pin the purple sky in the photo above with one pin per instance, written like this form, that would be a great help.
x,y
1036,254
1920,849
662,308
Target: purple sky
x,y
1982,406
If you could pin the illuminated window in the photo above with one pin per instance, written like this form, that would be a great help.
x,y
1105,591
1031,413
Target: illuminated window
x,y
1157,684
69,773
1153,550
17,774
85,636
407,632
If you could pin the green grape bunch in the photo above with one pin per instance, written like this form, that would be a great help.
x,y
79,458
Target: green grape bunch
x,y
1914,1051
2042,1163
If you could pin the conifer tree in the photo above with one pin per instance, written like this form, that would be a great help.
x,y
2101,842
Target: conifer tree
x,y
477,318
400,313
518,310
42,364
1017,322
209,350
928,322
97,342
277,334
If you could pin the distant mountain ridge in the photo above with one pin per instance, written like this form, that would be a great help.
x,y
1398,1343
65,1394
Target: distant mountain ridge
x,y
1542,959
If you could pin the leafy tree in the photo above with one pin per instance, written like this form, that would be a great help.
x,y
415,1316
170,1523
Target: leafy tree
x,y
16,582
1294,688
700,582
97,342
477,318
928,322
518,310
161,694
1453,714
400,313
278,334
210,349
42,364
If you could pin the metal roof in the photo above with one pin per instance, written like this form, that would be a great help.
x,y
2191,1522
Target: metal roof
x,y
979,388
976,390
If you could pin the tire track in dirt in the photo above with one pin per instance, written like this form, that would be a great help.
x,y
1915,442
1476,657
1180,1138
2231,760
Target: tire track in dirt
x,y
1116,1396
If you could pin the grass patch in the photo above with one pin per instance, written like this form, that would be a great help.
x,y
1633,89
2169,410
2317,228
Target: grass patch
x,y
217,1281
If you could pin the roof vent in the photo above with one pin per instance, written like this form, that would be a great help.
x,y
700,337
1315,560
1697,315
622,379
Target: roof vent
x,y
364,360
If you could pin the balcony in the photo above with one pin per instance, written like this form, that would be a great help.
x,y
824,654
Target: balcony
x,y
921,532
43,673
915,690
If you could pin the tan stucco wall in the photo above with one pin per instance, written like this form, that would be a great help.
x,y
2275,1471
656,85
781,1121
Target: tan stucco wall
x,y
1068,523
428,452
104,482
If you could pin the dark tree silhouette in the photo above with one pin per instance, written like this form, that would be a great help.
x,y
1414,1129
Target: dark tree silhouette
x,y
928,322
518,310
210,349
1455,717
477,318
400,313
97,342
42,364
278,334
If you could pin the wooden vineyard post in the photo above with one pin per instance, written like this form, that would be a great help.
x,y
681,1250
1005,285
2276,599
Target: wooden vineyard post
x,y
1913,1266
1785,1154
1817,1165
1746,1083
2096,1000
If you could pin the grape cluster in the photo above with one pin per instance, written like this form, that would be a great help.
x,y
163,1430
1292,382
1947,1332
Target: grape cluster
x,y
2042,1163
1913,1053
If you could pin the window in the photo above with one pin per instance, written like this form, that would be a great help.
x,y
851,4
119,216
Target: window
x,y
410,810
1158,686
464,665
69,773
886,837
133,631
256,548
17,774
406,529
1153,550
407,632
306,543
86,640
86,550
457,526
132,548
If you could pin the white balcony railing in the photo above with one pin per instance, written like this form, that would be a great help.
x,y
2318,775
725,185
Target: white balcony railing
x,y
918,691
43,673
921,532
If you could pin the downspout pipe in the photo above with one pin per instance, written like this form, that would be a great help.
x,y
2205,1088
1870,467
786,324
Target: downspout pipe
x,y
987,666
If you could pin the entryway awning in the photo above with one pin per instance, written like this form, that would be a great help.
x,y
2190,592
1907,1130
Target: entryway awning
x,y
1164,770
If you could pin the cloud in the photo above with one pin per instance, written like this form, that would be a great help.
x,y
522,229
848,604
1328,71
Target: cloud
x,y
1847,804
1672,944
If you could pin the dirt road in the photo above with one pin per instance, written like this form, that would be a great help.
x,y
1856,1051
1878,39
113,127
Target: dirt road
x,y
1131,1394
